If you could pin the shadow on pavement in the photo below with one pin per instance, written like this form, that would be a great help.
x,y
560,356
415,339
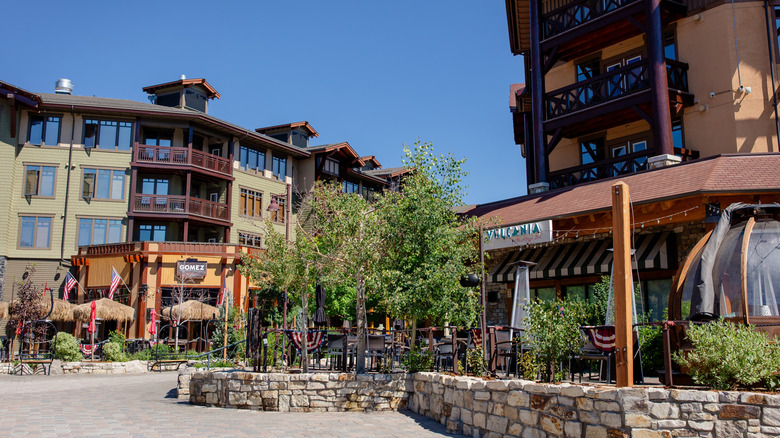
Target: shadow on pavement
x,y
427,423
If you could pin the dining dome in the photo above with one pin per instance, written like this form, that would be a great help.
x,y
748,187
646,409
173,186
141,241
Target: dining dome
x,y
734,270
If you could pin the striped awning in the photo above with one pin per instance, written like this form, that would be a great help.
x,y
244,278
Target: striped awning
x,y
653,251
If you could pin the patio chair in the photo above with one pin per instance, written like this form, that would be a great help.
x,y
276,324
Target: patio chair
x,y
444,355
376,348
335,349
589,352
505,351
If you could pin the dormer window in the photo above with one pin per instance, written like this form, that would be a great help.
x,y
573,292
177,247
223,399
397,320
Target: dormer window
x,y
195,100
331,166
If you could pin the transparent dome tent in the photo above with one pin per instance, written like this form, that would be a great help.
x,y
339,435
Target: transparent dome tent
x,y
733,272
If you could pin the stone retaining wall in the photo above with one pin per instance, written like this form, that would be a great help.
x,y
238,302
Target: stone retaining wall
x,y
499,408
58,367
299,392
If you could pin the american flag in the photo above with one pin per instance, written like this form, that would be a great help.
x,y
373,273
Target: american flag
x,y
70,282
222,293
115,279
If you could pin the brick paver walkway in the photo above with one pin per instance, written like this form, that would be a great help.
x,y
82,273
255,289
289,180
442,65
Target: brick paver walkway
x,y
145,405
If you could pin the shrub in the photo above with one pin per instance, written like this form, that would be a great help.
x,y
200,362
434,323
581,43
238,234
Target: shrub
x,y
417,360
67,348
112,352
553,331
728,355
475,360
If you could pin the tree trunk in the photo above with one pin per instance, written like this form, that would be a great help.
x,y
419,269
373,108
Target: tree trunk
x,y
360,313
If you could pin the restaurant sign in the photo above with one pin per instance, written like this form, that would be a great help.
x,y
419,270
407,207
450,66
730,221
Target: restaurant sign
x,y
518,235
191,269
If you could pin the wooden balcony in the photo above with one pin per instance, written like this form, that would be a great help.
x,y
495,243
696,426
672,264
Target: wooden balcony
x,y
190,248
179,206
163,156
612,99
583,26
625,164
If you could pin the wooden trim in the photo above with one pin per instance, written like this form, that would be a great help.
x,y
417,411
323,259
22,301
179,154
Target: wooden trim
x,y
675,295
743,266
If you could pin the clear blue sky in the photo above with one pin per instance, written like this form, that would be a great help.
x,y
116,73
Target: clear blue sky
x,y
375,74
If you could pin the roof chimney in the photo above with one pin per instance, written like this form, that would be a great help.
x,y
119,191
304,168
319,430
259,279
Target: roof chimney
x,y
63,86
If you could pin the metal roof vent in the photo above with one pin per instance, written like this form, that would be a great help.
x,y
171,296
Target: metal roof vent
x,y
63,86
182,77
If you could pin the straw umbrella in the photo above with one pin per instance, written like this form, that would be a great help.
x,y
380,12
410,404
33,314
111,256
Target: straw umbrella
x,y
190,310
62,311
106,310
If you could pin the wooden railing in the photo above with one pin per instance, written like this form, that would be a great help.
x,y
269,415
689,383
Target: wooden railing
x,y
622,165
192,248
182,157
113,248
179,205
578,13
610,86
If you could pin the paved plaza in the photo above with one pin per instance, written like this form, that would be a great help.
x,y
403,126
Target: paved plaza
x,y
145,405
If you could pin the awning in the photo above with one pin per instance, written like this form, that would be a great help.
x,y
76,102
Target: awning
x,y
653,251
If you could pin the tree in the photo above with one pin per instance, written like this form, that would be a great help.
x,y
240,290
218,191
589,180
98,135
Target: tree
x,y
428,246
291,266
28,306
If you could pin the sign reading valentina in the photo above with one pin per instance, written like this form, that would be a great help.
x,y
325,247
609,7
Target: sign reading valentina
x,y
518,235
191,269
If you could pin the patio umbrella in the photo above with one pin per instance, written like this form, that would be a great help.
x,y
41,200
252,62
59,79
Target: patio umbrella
x,y
92,316
153,325
62,311
106,310
3,310
320,318
190,310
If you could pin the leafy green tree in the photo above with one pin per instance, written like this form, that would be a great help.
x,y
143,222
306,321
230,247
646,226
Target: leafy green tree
x,y
428,246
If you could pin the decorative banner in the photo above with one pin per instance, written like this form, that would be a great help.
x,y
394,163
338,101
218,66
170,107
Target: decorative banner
x,y
518,235
191,269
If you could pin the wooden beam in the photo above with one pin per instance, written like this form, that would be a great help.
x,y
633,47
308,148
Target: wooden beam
x,y
556,138
743,268
621,237
642,114
551,60
639,25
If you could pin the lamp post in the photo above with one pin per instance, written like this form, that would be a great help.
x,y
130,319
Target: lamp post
x,y
274,207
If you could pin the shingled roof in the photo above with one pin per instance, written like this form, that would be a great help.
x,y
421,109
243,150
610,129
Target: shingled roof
x,y
721,174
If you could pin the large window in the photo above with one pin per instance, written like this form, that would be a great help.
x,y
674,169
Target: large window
x,y
108,134
330,166
152,233
252,159
248,239
279,168
350,187
103,184
278,216
251,203
154,186
154,137
35,232
44,130
39,180
99,231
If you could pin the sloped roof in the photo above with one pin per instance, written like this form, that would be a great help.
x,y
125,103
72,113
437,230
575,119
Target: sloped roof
x,y
212,93
20,94
732,173
65,101
388,172
305,125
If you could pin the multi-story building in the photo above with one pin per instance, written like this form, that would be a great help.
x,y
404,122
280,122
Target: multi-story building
x,y
95,184
627,90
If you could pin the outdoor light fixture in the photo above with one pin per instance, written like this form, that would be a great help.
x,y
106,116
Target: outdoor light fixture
x,y
273,206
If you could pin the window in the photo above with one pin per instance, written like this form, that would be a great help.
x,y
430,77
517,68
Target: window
x,y
543,293
39,180
248,239
349,187
591,151
628,165
195,100
153,137
252,159
44,130
670,46
279,168
108,134
629,80
35,232
153,233
154,186
251,203
369,193
678,140
278,216
330,166
587,70
103,184
299,139
99,231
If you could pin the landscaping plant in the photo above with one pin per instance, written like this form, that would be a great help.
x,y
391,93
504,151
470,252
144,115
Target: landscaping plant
x,y
553,331
67,347
728,355
417,360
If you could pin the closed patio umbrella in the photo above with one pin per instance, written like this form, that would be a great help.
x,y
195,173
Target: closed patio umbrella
x,y
320,318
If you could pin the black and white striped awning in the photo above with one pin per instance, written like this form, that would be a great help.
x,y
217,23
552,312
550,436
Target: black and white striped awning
x,y
653,251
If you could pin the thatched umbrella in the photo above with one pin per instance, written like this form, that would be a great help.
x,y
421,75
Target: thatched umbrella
x,y
3,310
62,311
191,310
107,310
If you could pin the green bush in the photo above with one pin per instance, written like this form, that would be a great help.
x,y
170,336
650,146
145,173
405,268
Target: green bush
x,y
553,332
475,361
728,355
67,348
417,360
112,352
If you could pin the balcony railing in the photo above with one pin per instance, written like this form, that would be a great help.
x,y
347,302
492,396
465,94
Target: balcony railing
x,y
192,248
622,165
182,157
610,86
578,13
179,205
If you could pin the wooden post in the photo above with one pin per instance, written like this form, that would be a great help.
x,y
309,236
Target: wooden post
x,y
621,242
483,325
224,344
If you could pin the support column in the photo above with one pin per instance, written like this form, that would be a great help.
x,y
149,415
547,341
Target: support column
x,y
133,182
621,242
659,84
537,93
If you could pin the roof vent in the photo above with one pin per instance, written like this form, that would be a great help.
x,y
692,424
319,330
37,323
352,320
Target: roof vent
x,y
63,86
182,77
